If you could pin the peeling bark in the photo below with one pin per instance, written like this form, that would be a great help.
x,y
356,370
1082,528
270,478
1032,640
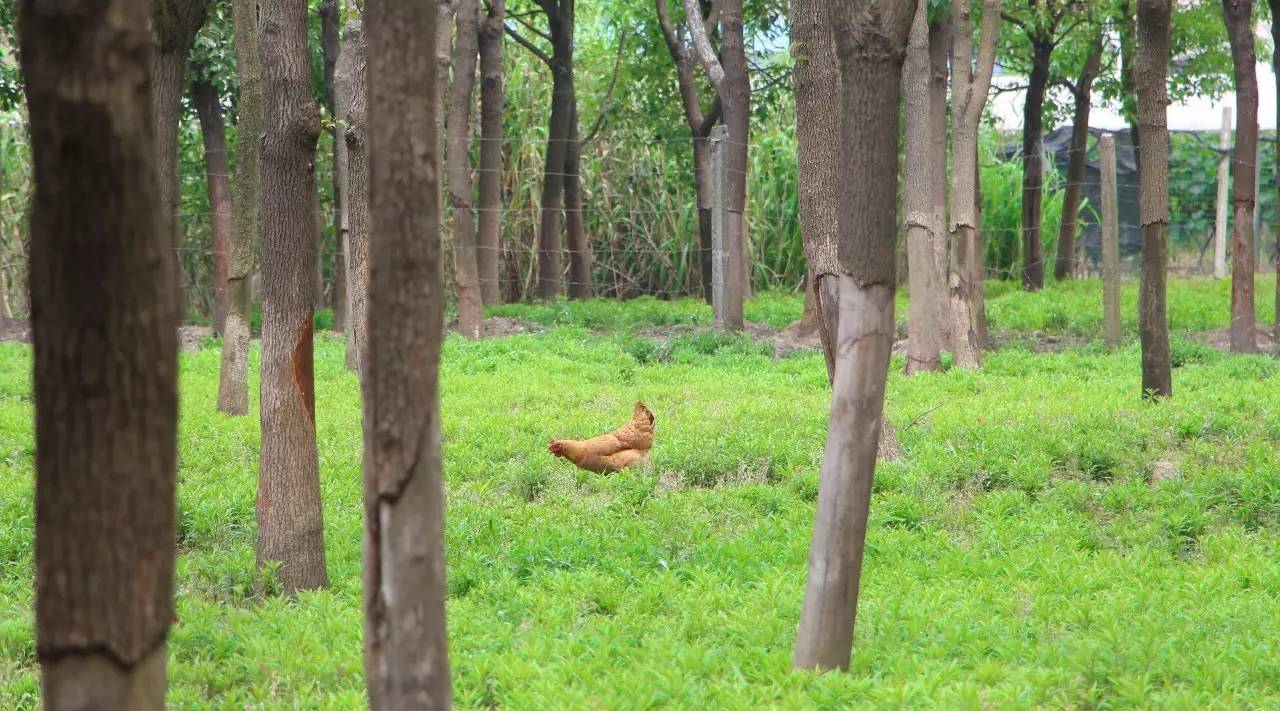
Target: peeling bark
x,y
871,41
923,224
290,521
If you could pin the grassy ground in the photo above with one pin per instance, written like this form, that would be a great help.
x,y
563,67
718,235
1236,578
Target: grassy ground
x,y
1019,556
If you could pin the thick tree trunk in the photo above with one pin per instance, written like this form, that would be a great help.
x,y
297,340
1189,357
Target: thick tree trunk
x,y
1152,71
406,652
575,230
104,317
922,222
290,522
735,97
817,87
1064,266
492,108
217,171
871,40
357,140
330,26
969,85
233,377
174,24
1033,166
465,48
1237,14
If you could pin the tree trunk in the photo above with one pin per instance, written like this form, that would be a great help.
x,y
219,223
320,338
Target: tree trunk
x,y
817,87
939,47
870,40
330,25
233,377
1237,14
492,108
290,522
1151,70
1127,30
358,199
735,98
1064,266
406,652
466,47
550,264
216,170
1275,68
1033,166
174,24
969,85
345,78
699,130
575,231
104,318
923,224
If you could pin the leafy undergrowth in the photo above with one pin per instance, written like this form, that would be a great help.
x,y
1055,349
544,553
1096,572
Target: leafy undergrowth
x,y
1019,556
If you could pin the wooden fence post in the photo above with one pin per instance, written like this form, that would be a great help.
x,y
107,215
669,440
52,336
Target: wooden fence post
x,y
1220,235
1110,243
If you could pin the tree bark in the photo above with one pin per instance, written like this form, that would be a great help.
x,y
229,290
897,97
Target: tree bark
x,y
343,86
969,85
1065,265
358,219
217,172
465,50
1275,67
104,317
922,222
817,87
699,129
330,26
290,521
1237,14
406,653
871,40
233,377
492,108
735,97
1033,165
1151,72
175,24
1127,30
575,231
560,27
939,50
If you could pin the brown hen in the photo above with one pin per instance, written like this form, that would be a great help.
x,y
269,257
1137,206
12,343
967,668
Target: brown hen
x,y
624,447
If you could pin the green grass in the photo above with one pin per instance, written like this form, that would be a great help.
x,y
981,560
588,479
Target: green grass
x,y
1017,557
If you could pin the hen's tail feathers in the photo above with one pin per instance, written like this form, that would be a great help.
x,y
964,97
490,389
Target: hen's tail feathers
x,y
642,411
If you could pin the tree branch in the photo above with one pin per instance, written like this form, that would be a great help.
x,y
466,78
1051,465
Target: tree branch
x,y
511,32
986,60
524,23
710,120
702,44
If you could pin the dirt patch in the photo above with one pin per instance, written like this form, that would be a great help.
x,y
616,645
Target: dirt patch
x,y
499,327
1038,342
15,329
192,338
1220,338
1163,470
